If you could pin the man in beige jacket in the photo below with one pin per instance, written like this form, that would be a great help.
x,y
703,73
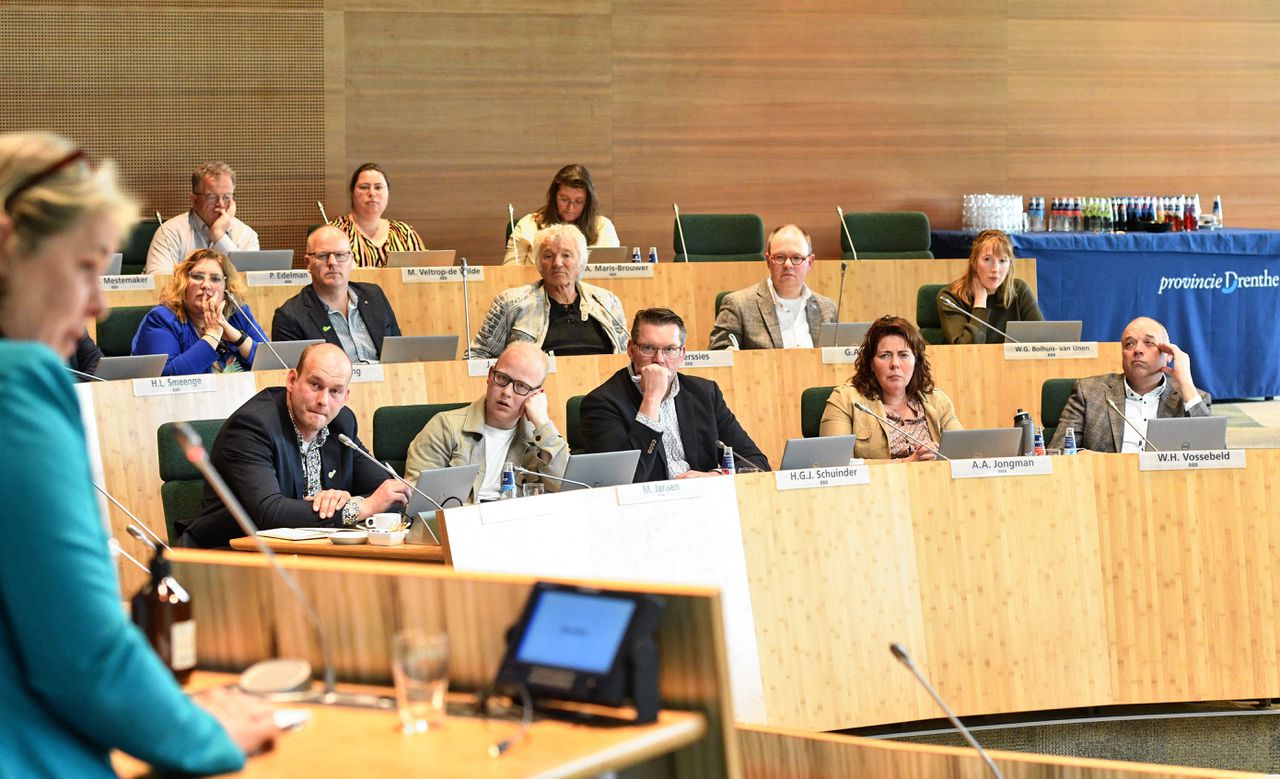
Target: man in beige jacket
x,y
509,424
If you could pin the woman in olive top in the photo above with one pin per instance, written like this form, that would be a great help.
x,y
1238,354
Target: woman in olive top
x,y
77,679
371,235
988,290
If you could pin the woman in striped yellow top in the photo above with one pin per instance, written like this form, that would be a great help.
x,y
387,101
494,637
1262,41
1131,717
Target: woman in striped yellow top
x,y
371,235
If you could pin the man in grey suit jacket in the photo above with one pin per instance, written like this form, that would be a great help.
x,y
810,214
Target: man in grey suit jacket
x,y
779,311
1156,383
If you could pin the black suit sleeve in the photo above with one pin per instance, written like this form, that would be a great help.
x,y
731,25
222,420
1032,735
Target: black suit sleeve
x,y
285,328
393,326
609,425
87,355
245,456
732,434
365,476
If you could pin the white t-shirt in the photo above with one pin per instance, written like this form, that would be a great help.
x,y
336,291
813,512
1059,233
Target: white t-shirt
x,y
496,444
793,320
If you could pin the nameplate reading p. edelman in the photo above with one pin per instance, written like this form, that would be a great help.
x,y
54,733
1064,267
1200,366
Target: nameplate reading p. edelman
x,y
174,385
809,478
1080,350
619,270
429,275
479,366
132,281
982,467
720,358
655,491
367,372
839,355
277,278
1188,461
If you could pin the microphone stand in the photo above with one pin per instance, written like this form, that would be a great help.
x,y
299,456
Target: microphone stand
x,y
952,305
1150,447
511,219
754,468
684,247
926,444
466,307
196,454
323,215
844,226
844,266
561,479
347,442
131,516
84,375
265,341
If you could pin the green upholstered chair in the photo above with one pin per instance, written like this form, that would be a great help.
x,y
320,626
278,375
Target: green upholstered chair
x,y
720,296
182,487
137,245
927,313
887,235
395,427
720,237
573,425
812,401
116,332
1053,398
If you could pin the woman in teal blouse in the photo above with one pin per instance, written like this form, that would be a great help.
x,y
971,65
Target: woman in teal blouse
x,y
77,679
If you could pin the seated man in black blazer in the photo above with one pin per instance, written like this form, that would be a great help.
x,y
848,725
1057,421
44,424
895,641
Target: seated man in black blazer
x,y
350,314
281,456
675,420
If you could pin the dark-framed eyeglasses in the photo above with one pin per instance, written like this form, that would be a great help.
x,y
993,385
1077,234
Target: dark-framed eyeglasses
x,y
501,379
794,260
341,258
668,352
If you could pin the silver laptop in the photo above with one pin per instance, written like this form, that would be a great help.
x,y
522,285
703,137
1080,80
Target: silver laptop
x,y
608,254
270,259
290,351
427,258
603,469
141,366
418,348
843,333
967,444
1193,434
114,265
1066,331
823,452
450,487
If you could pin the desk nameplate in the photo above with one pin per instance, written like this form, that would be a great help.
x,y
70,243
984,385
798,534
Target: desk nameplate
x,y
174,385
1083,350
811,478
367,372
719,358
1188,461
619,270
839,355
277,278
984,467
428,275
130,281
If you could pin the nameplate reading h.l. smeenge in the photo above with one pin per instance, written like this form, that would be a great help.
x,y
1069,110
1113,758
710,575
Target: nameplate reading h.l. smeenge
x,y
429,275
810,478
720,358
1081,350
132,281
1191,460
983,467
479,366
277,278
619,270
657,491
363,373
839,355
174,385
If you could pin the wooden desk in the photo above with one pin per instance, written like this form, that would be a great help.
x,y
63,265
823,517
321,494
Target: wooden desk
x,y
407,552
340,741
872,289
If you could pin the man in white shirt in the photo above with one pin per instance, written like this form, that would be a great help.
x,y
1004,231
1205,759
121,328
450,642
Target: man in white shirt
x,y
781,311
509,424
211,222
1155,382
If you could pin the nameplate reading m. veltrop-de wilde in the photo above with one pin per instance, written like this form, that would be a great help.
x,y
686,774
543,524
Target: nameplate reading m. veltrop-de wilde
x,y
1082,350
367,373
479,366
132,281
446,275
619,270
839,355
810,478
277,278
720,358
174,385
1189,460
982,467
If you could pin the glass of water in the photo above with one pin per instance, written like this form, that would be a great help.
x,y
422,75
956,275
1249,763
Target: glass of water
x,y
420,664
532,488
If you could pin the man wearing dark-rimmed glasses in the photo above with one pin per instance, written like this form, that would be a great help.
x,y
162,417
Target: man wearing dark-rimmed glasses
x,y
677,421
210,224
509,424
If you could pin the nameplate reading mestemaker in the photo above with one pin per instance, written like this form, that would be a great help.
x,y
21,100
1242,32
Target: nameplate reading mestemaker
x,y
440,275
277,278
174,385
1082,350
720,358
1189,461
365,373
809,478
839,355
479,366
133,281
619,270
983,467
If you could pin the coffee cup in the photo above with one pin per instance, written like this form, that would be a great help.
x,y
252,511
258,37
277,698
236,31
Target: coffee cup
x,y
384,522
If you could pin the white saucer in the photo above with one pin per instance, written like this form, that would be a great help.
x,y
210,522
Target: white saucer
x,y
348,537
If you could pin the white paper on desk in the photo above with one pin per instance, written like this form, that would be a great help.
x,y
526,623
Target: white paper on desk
x,y
292,534
696,540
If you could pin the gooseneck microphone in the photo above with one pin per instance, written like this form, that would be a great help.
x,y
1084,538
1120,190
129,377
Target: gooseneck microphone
x,y
346,441
844,266
511,220
684,248
84,375
466,309
189,440
159,218
561,479
323,215
733,339
1150,447
954,307
137,523
845,226
904,658
118,551
171,582
754,468
926,444
262,336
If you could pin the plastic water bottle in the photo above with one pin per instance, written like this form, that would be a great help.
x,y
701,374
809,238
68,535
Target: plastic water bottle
x,y
1069,441
653,254
1022,421
508,489
635,254
726,462
1217,211
1037,444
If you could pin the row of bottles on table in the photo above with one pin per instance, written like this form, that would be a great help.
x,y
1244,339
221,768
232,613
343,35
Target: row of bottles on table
x,y
1174,213
1033,442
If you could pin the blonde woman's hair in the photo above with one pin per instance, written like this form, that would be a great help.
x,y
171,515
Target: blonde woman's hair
x,y
174,295
961,288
